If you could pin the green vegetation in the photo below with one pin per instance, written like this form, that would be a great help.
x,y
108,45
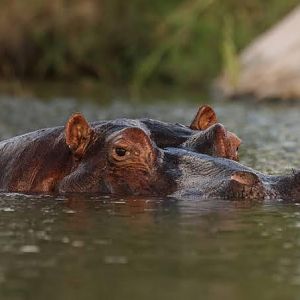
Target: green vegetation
x,y
130,43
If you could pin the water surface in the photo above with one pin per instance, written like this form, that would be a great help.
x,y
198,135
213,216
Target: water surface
x,y
84,247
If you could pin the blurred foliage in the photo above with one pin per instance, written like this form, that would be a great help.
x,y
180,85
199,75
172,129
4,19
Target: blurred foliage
x,y
132,43
231,66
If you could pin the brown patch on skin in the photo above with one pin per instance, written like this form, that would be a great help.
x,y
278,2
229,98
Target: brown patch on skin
x,y
245,178
132,162
35,162
204,118
41,177
246,185
37,184
48,184
78,134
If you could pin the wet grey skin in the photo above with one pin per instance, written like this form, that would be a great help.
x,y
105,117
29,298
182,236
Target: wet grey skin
x,y
201,141
164,134
199,176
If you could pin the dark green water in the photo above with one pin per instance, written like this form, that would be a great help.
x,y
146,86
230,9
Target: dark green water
x,y
107,248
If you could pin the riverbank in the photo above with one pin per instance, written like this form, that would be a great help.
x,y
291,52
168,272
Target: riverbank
x,y
132,44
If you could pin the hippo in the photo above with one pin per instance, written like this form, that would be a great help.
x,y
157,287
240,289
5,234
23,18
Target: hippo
x,y
204,135
39,161
135,165
120,157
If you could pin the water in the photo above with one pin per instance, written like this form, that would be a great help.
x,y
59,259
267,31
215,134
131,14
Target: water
x,y
145,248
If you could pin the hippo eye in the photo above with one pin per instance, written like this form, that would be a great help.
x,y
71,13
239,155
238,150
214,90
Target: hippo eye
x,y
120,151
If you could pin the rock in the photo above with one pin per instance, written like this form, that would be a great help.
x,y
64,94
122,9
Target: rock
x,y
269,66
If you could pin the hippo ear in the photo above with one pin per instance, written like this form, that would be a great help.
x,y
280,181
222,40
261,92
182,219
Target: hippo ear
x,y
220,145
78,134
245,178
226,143
234,143
204,118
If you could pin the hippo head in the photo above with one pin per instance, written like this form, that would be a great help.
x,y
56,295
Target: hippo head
x,y
111,160
206,177
125,161
212,138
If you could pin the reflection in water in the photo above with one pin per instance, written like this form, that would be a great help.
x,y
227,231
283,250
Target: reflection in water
x,y
90,247
135,248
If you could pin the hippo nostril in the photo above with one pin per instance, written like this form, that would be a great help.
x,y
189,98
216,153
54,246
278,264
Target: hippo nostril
x,y
120,151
